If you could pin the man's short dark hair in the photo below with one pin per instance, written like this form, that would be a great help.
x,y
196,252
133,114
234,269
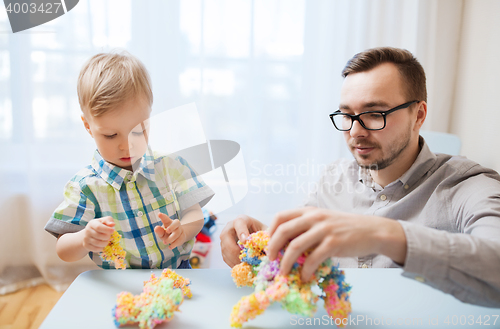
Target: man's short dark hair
x,y
411,71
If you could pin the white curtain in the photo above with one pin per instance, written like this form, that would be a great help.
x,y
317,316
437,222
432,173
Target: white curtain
x,y
263,73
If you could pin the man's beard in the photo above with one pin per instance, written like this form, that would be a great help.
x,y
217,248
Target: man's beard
x,y
394,152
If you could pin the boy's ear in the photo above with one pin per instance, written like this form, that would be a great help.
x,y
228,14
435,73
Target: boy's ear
x,y
86,125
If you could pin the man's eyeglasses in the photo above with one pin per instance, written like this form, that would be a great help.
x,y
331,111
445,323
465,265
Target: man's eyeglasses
x,y
371,120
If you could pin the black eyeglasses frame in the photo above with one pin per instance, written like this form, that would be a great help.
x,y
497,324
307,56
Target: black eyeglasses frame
x,y
356,117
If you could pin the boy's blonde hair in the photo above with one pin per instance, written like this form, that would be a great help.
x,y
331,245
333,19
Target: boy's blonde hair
x,y
109,79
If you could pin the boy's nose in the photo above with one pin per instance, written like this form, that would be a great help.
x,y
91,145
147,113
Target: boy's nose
x,y
125,144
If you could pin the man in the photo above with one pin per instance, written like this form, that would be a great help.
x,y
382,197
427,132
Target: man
x,y
397,205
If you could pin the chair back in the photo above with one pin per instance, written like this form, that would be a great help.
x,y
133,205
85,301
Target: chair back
x,y
442,142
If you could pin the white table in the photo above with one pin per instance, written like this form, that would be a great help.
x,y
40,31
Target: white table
x,y
378,296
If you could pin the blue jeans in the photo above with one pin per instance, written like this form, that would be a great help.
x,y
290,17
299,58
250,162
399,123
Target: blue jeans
x,y
184,265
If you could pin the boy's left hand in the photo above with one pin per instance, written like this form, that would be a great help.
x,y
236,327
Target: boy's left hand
x,y
171,232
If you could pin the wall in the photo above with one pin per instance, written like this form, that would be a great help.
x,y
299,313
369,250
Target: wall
x,y
476,110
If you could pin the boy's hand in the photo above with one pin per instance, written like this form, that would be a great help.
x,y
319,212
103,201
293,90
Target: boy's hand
x,y
171,232
237,229
97,233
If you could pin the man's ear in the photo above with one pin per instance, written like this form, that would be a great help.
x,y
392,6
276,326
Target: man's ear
x,y
86,125
421,114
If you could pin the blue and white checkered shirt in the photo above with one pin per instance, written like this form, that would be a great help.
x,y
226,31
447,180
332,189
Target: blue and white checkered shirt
x,y
134,199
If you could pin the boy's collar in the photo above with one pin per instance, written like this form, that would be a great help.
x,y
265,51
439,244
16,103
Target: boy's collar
x,y
116,176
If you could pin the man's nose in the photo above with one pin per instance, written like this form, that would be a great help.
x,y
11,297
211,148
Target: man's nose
x,y
357,130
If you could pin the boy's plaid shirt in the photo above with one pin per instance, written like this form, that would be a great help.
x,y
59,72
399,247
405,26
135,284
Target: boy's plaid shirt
x,y
134,200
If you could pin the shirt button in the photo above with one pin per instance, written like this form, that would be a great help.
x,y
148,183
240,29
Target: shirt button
x,y
364,266
420,279
140,213
150,243
130,185
407,186
383,197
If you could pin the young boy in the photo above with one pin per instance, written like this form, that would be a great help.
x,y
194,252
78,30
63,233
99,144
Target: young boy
x,y
154,202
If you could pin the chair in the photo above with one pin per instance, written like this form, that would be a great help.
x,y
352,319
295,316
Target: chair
x,y
442,142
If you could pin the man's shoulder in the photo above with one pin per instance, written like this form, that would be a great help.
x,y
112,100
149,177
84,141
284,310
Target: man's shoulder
x,y
342,163
463,168
341,167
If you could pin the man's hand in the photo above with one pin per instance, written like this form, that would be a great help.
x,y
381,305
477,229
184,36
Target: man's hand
x,y
171,233
97,233
332,234
237,229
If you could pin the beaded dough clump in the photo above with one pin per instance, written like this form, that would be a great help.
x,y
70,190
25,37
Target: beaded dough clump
x,y
161,297
256,270
114,252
